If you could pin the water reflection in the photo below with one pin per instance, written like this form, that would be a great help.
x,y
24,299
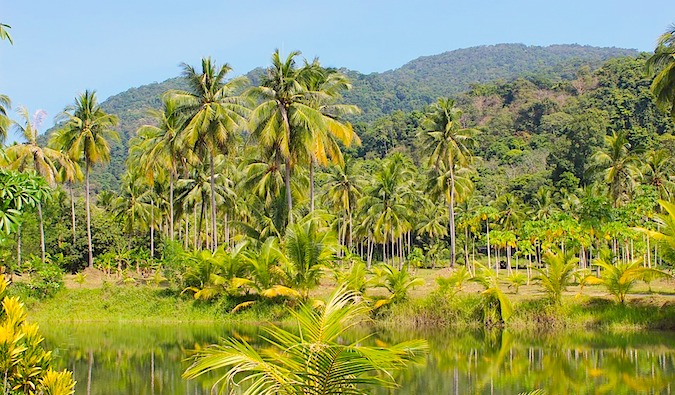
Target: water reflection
x,y
134,359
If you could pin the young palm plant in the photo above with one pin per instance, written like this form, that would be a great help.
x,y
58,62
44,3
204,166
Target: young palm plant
x,y
558,273
619,279
312,361
397,282
497,307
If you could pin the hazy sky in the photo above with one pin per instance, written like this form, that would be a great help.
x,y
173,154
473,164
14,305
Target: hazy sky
x,y
63,47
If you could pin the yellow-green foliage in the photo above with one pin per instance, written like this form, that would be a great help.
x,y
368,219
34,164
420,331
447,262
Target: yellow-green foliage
x,y
24,364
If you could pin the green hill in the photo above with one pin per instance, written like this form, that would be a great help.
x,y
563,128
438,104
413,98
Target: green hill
x,y
409,87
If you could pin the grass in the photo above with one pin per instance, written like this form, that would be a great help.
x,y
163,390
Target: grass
x,y
97,300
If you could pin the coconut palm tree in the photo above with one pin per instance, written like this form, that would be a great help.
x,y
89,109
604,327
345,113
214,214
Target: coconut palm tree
x,y
619,166
662,64
619,279
666,236
344,188
324,88
310,248
5,122
387,203
313,361
4,34
558,273
162,146
30,156
69,173
214,114
86,135
658,165
446,141
292,122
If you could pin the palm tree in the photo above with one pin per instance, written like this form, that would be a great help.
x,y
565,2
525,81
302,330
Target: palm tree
x,y
618,165
324,88
344,188
86,134
292,122
662,63
310,248
43,160
666,236
214,113
162,146
4,34
448,142
5,122
70,173
386,202
657,168
619,279
314,361
558,274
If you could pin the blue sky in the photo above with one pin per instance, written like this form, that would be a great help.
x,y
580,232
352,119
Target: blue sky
x,y
63,47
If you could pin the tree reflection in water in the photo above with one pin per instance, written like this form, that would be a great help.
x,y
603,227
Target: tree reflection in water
x,y
135,359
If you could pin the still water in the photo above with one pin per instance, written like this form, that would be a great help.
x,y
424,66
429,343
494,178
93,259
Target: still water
x,y
135,359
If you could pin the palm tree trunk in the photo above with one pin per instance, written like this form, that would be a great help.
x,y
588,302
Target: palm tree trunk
x,y
287,185
287,161
227,228
214,230
171,175
42,232
649,253
452,215
311,185
195,227
350,242
86,200
152,229
466,247
487,221
72,209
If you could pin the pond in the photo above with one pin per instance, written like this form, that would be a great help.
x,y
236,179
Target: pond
x,y
136,359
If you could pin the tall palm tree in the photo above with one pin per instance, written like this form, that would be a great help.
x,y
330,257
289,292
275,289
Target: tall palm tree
x,y
5,103
662,63
30,156
447,142
386,202
70,173
86,135
4,34
162,146
214,115
618,165
291,118
324,88
5,122
344,188
658,165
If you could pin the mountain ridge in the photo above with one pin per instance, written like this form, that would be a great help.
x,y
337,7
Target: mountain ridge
x,y
414,85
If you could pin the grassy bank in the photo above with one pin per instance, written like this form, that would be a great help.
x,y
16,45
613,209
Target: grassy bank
x,y
535,313
142,304
425,310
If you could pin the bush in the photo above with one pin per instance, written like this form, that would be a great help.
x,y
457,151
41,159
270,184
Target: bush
x,y
45,279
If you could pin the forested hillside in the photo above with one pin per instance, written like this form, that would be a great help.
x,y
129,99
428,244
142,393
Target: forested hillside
x,y
536,132
414,85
